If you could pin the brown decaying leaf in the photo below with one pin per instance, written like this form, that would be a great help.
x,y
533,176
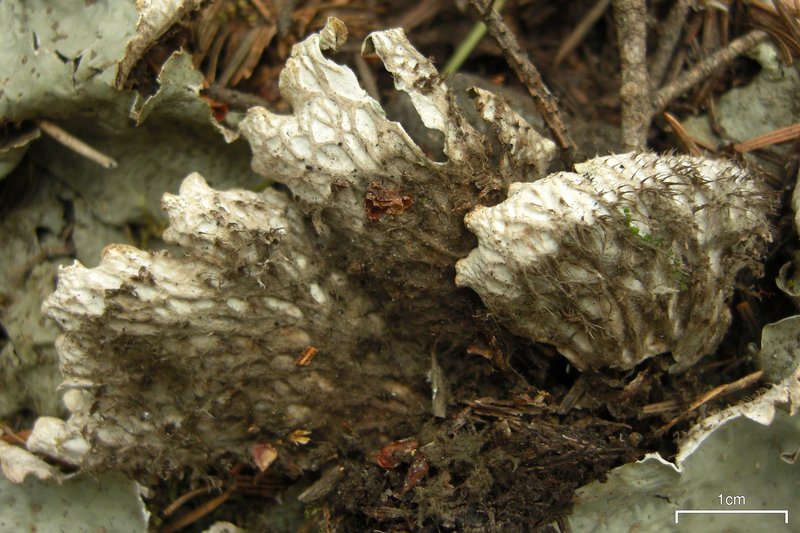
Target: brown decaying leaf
x,y
380,201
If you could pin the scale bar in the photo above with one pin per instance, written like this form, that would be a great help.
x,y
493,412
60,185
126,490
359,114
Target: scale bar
x,y
784,512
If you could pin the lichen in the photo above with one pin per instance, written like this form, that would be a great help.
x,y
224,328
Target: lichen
x,y
298,323
632,256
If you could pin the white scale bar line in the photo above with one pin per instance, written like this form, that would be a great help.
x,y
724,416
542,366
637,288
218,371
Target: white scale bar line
x,y
784,512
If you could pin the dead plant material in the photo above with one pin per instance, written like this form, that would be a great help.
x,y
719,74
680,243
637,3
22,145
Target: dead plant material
x,y
196,514
380,201
19,438
323,486
184,499
416,472
781,19
263,455
419,15
658,408
232,98
686,140
243,484
572,397
529,75
232,37
262,8
670,33
706,68
76,145
391,455
305,358
578,33
717,392
299,437
788,133
511,462
728,388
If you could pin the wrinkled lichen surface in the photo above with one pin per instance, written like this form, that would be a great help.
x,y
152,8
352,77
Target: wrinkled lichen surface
x,y
632,256
307,319
263,326
315,311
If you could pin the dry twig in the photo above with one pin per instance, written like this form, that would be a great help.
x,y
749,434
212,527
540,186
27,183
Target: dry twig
x,y
76,145
705,68
199,512
10,436
716,392
670,33
529,75
184,498
418,15
728,388
235,99
634,92
581,29
262,8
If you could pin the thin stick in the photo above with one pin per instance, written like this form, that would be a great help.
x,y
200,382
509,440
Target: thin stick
x,y
14,437
196,514
660,407
529,76
572,397
75,144
581,29
418,15
670,34
706,68
233,98
239,56
722,390
634,91
180,501
773,137
728,388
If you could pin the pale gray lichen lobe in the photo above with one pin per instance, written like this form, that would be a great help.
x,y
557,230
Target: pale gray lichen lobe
x,y
184,358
